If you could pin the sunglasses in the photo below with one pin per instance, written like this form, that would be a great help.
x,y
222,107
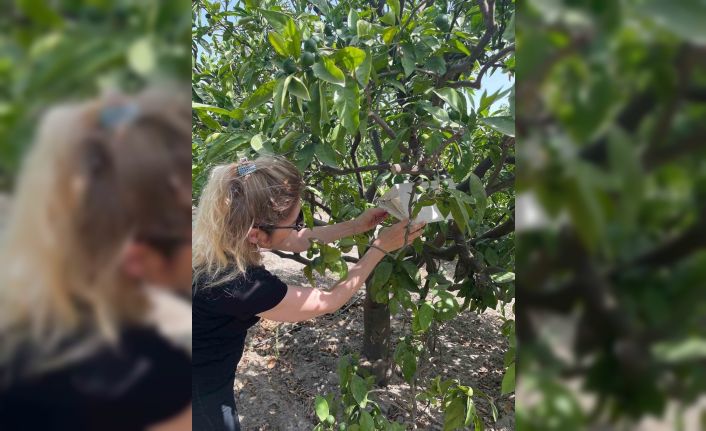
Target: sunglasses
x,y
297,226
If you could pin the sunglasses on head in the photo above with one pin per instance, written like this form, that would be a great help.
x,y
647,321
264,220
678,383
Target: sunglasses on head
x,y
297,226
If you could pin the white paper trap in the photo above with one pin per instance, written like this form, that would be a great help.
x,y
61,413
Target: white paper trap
x,y
396,202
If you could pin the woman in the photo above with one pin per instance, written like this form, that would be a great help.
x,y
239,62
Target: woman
x,y
102,209
245,207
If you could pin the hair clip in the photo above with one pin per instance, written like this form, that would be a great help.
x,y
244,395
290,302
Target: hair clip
x,y
246,169
112,116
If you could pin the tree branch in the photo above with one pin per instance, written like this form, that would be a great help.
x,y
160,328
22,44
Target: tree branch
x,y
494,188
498,231
386,127
488,64
487,8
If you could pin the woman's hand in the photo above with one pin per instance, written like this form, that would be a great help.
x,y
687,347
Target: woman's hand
x,y
393,237
369,219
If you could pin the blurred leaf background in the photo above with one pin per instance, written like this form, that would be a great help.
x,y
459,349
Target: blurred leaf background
x,y
611,124
55,51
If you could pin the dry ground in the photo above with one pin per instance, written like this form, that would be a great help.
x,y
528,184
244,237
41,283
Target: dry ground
x,y
286,365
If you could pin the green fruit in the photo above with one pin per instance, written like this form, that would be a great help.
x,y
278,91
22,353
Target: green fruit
x,y
310,45
442,22
289,66
328,30
308,59
330,419
454,115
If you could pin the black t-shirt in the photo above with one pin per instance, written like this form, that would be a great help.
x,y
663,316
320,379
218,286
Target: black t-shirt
x,y
141,382
222,315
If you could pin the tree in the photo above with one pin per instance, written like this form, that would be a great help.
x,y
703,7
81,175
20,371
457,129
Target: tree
x,y
614,145
362,95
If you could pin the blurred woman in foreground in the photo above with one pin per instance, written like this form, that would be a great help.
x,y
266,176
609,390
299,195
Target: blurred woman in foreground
x,y
102,209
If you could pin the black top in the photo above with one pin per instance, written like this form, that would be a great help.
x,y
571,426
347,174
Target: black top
x,y
222,315
141,382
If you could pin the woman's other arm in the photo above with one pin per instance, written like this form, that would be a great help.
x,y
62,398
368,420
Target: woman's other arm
x,y
300,241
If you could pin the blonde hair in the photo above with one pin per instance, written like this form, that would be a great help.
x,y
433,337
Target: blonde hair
x,y
230,205
86,190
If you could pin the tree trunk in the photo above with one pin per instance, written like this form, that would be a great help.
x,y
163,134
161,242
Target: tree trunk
x,y
376,338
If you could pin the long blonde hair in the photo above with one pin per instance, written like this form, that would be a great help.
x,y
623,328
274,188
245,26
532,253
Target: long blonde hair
x,y
230,205
87,188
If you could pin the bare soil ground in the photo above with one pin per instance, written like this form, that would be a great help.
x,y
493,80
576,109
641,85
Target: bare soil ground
x,y
285,365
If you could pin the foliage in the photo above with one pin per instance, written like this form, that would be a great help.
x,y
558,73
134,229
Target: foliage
x,y
54,51
610,115
360,96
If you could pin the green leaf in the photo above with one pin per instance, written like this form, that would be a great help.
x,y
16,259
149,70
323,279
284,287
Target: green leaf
x,y
346,101
141,56
323,6
460,46
208,121
436,64
353,19
330,254
394,7
411,269
454,415
505,124
409,366
478,192
326,70
451,96
684,18
259,96
314,110
260,144
389,18
324,104
509,34
366,421
439,114
508,384
407,59
362,73
280,94
40,12
321,408
459,210
297,88
276,19
215,109
389,35
327,155
304,157
447,307
382,274
425,314
350,57
687,349
359,389
470,411
294,39
278,43
363,28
